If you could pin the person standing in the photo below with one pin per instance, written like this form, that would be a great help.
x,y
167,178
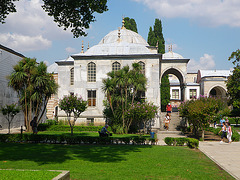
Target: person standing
x,y
222,121
169,110
229,133
223,130
33,123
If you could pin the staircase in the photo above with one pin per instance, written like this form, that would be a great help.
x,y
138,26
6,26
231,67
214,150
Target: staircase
x,y
173,130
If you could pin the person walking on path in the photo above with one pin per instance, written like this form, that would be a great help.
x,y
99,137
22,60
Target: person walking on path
x,y
167,121
223,130
169,109
229,133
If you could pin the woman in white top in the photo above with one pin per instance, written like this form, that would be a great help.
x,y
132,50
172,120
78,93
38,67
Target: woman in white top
x,y
229,133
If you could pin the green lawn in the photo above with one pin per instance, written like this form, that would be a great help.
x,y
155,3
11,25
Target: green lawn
x,y
27,175
113,161
90,133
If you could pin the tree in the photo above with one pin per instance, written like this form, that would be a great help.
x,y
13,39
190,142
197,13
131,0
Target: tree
x,y
73,14
155,37
122,88
34,87
139,113
165,92
72,104
9,111
130,24
201,112
152,41
233,83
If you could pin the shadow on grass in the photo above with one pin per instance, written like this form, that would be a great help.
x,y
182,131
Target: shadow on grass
x,y
49,153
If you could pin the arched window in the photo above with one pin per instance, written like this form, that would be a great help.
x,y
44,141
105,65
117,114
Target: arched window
x,y
116,66
142,64
72,76
91,72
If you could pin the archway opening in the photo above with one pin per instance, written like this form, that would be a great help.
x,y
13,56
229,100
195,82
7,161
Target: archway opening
x,y
176,89
218,92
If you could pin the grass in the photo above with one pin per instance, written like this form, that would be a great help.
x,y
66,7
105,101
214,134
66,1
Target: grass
x,y
113,161
27,175
90,133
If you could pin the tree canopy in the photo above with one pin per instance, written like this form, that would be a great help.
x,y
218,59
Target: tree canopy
x,y
165,92
73,14
201,112
233,83
72,104
130,24
124,89
155,36
9,111
34,87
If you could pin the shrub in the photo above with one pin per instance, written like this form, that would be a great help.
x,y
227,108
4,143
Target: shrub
x,y
169,141
191,142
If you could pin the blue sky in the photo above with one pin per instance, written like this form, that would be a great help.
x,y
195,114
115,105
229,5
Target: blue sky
x,y
206,32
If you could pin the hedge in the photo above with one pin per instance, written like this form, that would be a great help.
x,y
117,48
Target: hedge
x,y
75,139
50,127
190,142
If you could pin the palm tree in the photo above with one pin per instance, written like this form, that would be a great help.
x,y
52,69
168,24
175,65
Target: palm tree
x,y
34,87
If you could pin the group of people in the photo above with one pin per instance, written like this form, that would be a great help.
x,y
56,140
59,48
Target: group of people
x,y
226,130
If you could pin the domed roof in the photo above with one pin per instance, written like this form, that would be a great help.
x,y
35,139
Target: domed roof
x,y
118,48
171,55
125,35
120,42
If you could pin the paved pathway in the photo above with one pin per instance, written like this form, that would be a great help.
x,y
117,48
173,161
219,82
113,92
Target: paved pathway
x,y
225,155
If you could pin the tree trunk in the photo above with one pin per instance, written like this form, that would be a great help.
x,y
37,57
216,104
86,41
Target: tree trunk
x,y
9,127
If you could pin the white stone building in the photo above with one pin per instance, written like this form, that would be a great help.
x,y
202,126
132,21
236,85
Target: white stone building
x,y
8,58
83,73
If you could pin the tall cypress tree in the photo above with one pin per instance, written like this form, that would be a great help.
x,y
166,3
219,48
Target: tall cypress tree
x,y
130,24
156,35
165,92
151,37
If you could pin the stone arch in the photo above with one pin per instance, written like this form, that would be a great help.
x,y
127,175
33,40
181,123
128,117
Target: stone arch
x,y
179,74
218,91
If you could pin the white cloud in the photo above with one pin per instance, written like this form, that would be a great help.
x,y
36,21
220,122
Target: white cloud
x,y
205,62
70,50
24,43
207,12
30,28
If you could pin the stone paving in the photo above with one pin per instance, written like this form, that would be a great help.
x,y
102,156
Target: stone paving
x,y
227,156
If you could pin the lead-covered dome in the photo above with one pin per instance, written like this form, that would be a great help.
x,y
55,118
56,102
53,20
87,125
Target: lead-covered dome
x,y
171,55
125,36
120,42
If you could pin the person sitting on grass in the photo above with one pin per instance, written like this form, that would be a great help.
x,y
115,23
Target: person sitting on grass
x,y
104,132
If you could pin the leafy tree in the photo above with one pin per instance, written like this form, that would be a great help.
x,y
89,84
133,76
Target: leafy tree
x,y
130,24
155,37
34,87
165,92
122,88
151,37
139,113
9,111
73,14
72,104
233,84
201,112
